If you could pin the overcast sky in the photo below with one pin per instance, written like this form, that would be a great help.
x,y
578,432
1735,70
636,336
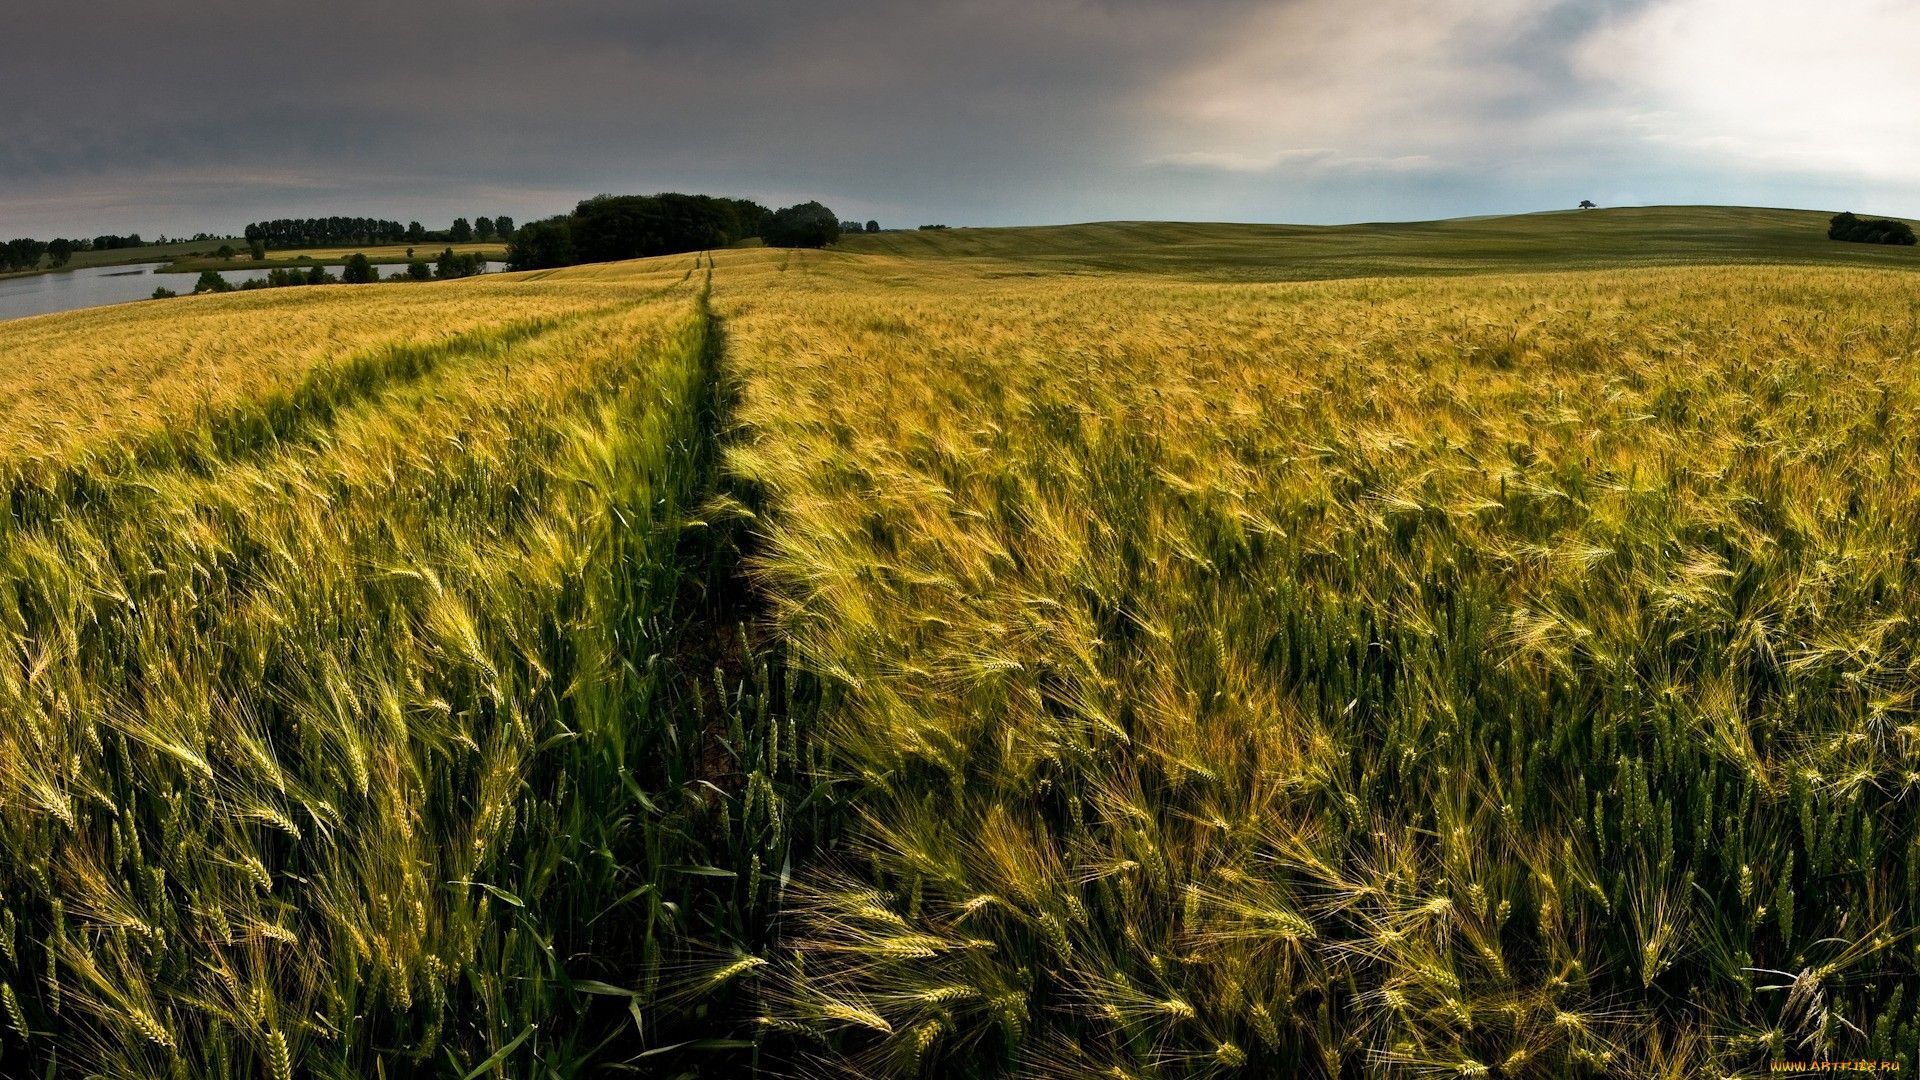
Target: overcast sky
x,y
117,115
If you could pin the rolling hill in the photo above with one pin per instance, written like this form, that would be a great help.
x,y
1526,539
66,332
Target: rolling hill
x,y
1567,240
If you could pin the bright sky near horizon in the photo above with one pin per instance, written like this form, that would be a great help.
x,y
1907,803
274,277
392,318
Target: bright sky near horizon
x,y
129,115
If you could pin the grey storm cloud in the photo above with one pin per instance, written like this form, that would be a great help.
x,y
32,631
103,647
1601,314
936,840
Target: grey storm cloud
x,y
117,114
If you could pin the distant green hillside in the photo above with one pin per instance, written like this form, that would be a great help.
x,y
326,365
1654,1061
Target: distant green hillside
x,y
1654,235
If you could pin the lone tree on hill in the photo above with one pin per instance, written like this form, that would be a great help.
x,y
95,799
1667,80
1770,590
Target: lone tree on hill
x,y
873,226
1587,204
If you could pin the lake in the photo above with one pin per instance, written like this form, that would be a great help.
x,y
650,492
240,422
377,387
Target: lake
x,y
43,294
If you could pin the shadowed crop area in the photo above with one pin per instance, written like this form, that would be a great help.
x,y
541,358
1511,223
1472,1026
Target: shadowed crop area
x,y
1024,653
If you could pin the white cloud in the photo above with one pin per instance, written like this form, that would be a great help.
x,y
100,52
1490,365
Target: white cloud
x,y
1770,84
1389,85
1710,100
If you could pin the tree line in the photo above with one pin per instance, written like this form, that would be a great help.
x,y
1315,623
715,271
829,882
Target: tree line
x,y
342,231
605,228
608,228
25,253
359,270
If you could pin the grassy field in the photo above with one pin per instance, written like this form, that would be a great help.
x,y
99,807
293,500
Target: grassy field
x,y
82,260
1040,653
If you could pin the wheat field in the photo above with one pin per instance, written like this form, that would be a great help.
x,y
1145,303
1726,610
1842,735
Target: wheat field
x,y
875,664
337,734
1483,676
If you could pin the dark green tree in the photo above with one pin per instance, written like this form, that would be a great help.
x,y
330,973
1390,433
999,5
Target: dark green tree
x,y
211,282
462,231
504,226
609,227
22,254
60,250
873,226
415,232
807,225
542,245
483,229
359,270
419,271
462,265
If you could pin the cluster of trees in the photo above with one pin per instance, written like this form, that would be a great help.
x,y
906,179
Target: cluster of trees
x,y
856,227
1856,230
482,229
608,228
22,254
341,231
449,265
25,253
808,225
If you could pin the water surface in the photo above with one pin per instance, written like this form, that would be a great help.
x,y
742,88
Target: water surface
x,y
68,290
